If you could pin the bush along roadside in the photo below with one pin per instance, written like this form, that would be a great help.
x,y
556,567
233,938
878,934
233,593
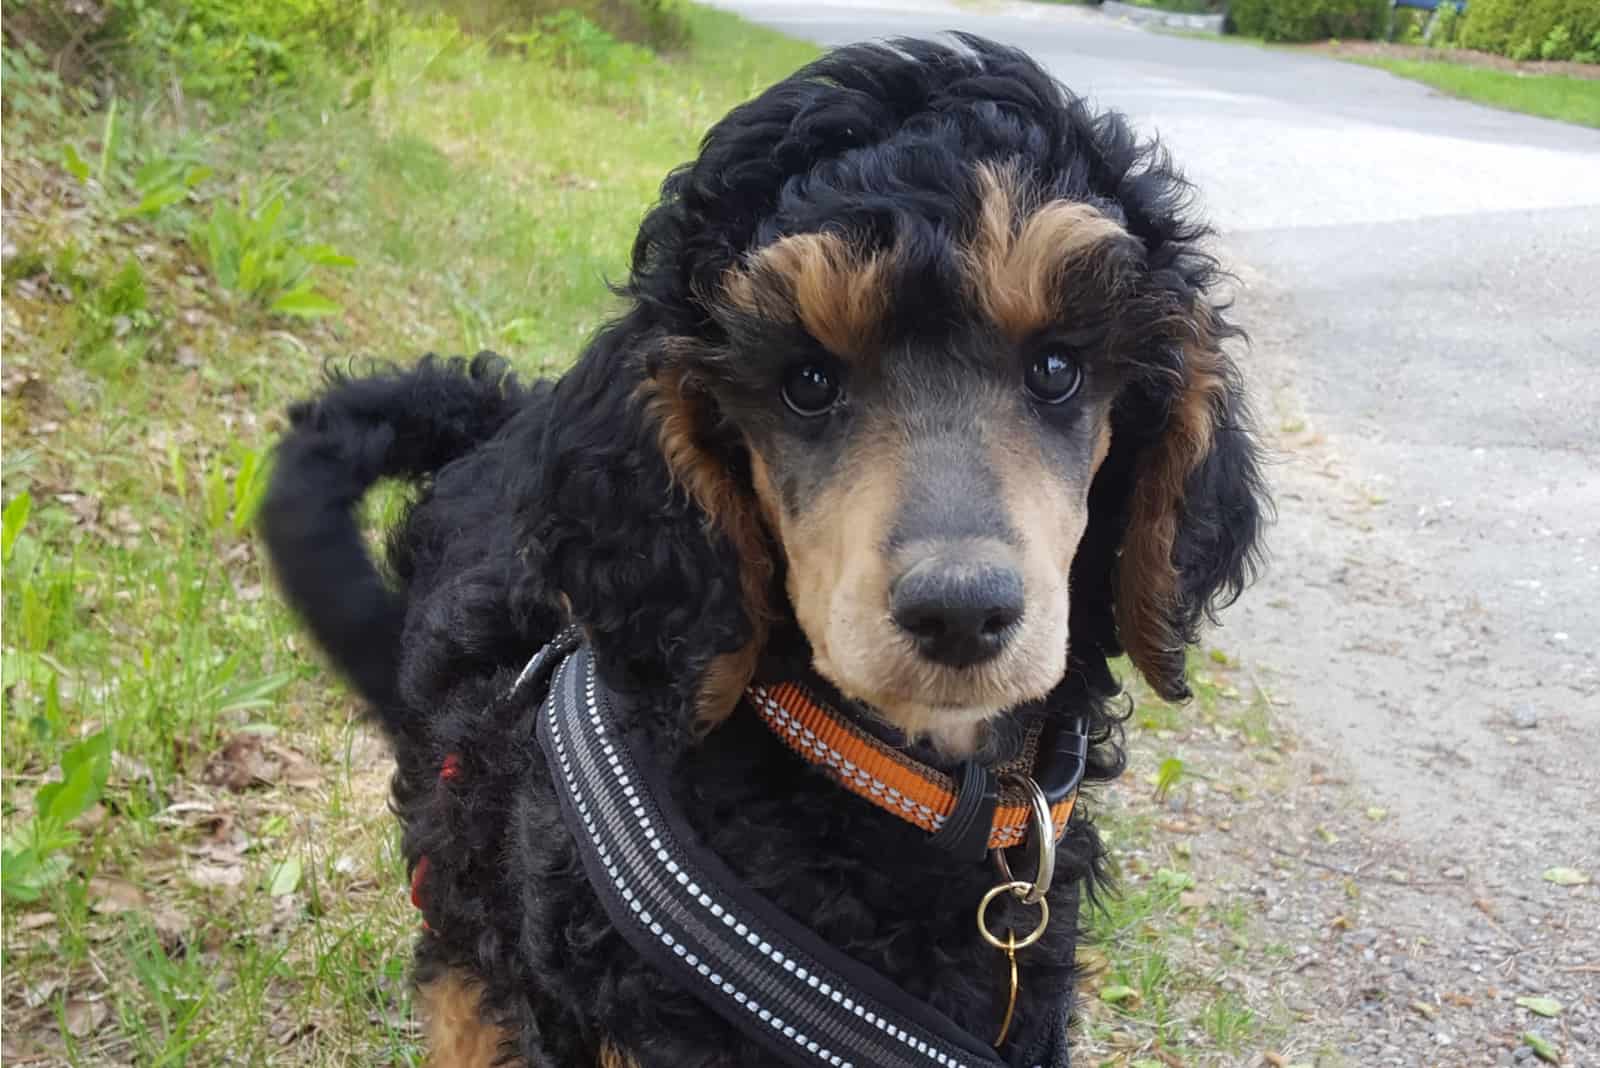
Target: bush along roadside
x,y
1308,20
1536,30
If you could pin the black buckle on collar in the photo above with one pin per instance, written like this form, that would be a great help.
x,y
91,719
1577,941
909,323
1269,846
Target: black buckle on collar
x,y
965,834
1063,757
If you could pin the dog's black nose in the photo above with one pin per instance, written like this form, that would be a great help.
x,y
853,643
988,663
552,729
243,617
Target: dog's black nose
x,y
960,614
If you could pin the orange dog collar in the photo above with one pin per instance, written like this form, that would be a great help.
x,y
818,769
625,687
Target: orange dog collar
x,y
913,791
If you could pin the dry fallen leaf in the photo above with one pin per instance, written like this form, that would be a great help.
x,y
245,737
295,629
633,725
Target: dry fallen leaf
x,y
91,819
1091,961
171,926
251,759
38,993
127,769
84,507
107,896
217,875
84,1017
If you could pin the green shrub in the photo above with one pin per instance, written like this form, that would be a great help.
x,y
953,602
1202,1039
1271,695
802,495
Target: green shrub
x,y
1534,29
222,49
38,857
254,251
1308,20
1557,44
571,42
1592,53
227,48
659,25
1436,29
1447,27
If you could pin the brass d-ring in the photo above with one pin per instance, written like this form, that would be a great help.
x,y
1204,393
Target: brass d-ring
x,y
1018,888
1043,830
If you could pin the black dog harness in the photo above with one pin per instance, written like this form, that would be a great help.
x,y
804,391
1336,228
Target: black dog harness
x,y
682,910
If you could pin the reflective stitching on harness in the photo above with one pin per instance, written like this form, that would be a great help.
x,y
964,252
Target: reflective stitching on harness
x,y
640,913
729,917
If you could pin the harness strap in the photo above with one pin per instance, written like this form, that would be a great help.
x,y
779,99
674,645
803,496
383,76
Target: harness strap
x,y
681,908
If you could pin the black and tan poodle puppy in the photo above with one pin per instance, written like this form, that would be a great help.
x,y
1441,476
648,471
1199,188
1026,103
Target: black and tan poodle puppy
x,y
918,397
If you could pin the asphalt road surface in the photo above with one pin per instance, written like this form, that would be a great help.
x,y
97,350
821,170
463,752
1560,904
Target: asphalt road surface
x,y
1421,277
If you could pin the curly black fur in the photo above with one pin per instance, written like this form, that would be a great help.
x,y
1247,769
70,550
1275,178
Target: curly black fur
x,y
554,501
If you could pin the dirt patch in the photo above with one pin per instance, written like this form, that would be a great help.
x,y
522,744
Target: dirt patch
x,y
1350,942
1465,57
1413,831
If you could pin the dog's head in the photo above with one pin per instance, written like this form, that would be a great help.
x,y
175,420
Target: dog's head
x,y
924,350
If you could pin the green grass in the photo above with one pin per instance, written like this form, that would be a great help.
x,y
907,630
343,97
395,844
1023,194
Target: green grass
x,y
1548,95
1158,952
1163,944
452,197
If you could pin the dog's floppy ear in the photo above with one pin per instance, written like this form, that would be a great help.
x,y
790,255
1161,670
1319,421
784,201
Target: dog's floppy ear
x,y
711,469
642,531
1193,513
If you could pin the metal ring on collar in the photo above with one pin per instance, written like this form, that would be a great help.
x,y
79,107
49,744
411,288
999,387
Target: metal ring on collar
x,y
1011,943
1044,838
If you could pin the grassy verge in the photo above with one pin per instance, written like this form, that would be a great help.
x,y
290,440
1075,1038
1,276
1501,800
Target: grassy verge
x,y
214,882
1547,95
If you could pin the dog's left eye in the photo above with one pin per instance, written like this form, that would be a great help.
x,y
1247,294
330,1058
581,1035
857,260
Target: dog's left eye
x,y
1053,377
810,390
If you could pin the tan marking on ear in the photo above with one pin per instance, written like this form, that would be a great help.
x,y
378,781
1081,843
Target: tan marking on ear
x,y
831,287
1102,448
725,680
612,1057
1147,576
728,509
1021,254
458,1036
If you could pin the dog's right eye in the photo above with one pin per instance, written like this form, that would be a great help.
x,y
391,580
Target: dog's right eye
x,y
810,390
1054,378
